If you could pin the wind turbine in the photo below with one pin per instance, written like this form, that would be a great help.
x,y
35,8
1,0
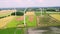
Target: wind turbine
x,y
41,11
15,11
24,17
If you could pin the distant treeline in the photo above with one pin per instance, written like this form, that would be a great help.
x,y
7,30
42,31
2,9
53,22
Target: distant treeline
x,y
34,9
17,13
43,9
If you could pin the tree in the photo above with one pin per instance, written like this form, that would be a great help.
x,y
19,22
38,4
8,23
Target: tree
x,y
18,13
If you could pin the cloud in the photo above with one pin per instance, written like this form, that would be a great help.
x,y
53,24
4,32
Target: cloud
x,y
40,1
29,3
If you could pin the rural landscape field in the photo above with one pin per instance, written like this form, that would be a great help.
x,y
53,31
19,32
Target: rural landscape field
x,y
30,20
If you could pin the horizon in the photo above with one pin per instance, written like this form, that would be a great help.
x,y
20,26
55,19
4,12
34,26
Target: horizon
x,y
34,7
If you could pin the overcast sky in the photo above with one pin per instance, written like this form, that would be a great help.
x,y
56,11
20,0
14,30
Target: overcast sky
x,y
28,3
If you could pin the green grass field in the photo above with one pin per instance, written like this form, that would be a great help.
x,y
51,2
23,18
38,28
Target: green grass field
x,y
12,26
31,24
11,31
14,22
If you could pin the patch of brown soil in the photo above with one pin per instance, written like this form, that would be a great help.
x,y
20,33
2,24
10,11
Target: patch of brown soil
x,y
31,18
20,18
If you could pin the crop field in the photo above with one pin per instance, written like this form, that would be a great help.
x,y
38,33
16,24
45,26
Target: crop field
x,y
48,18
56,16
15,24
31,21
4,21
39,13
12,31
6,12
10,24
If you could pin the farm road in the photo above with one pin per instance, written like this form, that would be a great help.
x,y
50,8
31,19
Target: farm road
x,y
38,20
6,20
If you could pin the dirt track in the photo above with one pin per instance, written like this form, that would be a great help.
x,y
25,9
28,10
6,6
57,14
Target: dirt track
x,y
38,20
4,21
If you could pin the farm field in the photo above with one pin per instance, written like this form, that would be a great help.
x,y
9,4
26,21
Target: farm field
x,y
5,21
30,18
39,13
56,16
48,19
14,24
12,31
10,24
12,27
6,12
31,21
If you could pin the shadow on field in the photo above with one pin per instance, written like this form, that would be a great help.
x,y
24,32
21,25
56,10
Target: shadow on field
x,y
12,31
45,30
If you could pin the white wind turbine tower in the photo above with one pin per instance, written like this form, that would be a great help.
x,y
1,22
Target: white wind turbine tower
x,y
24,17
41,11
15,11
